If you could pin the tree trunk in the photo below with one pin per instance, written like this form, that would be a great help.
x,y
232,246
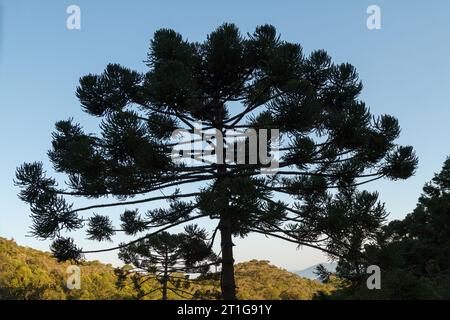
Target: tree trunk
x,y
227,282
165,277
164,291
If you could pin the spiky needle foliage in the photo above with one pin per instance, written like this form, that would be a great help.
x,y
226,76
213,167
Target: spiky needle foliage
x,y
328,139
170,259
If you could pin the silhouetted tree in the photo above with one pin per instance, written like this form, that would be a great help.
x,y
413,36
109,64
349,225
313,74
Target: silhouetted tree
x,y
168,258
413,253
229,83
322,273
352,220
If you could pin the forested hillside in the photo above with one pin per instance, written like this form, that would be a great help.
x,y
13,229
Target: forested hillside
x,y
261,280
27,273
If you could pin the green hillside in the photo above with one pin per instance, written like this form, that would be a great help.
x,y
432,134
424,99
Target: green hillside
x,y
262,281
27,273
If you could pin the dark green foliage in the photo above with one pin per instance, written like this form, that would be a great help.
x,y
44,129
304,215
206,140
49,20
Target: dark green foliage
x,y
64,249
100,228
328,140
168,258
322,273
132,223
418,247
346,223
109,92
49,211
413,254
242,201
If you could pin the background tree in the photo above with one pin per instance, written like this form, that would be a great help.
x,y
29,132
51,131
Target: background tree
x,y
413,253
230,82
168,258
352,220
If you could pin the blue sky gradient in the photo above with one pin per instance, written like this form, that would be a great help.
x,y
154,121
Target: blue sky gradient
x,y
405,69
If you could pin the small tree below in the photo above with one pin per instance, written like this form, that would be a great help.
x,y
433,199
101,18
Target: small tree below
x,y
170,259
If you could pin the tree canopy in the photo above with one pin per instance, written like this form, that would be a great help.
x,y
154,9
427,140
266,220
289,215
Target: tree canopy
x,y
230,83
413,253
170,259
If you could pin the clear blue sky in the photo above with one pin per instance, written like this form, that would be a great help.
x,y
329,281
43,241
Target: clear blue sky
x,y
405,68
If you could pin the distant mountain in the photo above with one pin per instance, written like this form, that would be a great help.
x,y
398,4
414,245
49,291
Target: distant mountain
x,y
309,272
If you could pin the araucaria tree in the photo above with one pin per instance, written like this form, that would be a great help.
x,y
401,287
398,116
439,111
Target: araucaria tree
x,y
328,139
413,254
352,220
168,259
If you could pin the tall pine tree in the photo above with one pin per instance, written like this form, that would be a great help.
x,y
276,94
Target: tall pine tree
x,y
328,139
